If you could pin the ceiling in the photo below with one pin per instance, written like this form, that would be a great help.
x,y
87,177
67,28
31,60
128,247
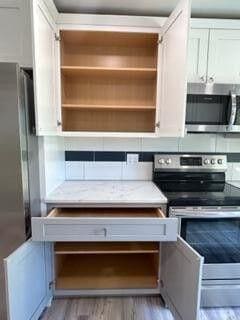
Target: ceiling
x,y
200,8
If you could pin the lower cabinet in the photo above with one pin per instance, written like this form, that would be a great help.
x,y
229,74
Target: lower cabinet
x,y
40,270
108,268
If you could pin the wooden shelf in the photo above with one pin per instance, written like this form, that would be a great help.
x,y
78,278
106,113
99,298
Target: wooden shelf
x,y
109,107
103,247
107,69
106,271
149,73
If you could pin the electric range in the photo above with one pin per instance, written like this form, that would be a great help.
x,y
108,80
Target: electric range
x,y
208,212
195,180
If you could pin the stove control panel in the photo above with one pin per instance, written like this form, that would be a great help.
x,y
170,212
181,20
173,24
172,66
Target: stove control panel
x,y
190,162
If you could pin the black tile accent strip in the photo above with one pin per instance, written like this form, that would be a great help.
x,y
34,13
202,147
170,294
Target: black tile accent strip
x,y
233,157
122,155
79,155
110,156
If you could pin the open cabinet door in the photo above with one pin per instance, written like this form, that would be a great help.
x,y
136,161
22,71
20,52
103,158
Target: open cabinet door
x,y
45,66
181,274
172,71
28,274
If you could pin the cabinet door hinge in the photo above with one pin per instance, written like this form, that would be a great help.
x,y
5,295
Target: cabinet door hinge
x,y
57,37
157,124
59,123
50,285
160,40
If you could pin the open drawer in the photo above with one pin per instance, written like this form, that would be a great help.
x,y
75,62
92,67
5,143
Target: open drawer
x,y
104,224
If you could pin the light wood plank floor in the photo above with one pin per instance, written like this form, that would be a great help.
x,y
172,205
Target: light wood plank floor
x,y
127,308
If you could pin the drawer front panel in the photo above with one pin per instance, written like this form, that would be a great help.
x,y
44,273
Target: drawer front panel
x,y
45,229
55,232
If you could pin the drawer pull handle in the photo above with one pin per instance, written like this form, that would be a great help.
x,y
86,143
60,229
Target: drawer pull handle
x,y
101,231
105,232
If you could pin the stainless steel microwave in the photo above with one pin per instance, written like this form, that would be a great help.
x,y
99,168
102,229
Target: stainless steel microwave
x,y
213,108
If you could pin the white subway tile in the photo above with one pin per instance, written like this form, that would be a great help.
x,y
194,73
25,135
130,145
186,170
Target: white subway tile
x,y
160,144
103,170
83,144
74,170
139,171
198,143
122,144
229,171
228,144
236,171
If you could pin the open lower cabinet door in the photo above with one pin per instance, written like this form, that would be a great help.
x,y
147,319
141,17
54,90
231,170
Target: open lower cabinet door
x,y
28,273
172,72
181,274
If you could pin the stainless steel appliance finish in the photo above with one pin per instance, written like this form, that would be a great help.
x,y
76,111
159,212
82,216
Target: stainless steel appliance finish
x,y
189,162
19,180
213,108
208,212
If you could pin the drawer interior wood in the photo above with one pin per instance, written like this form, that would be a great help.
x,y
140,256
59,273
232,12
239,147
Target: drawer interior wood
x,y
106,271
106,213
103,247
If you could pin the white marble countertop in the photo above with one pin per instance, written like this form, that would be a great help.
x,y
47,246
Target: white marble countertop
x,y
107,193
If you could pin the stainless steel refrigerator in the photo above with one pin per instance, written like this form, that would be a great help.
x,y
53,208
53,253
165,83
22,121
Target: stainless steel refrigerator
x,y
19,166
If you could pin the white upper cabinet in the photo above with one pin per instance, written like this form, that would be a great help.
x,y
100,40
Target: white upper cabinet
x,y
45,75
109,80
172,78
198,55
15,34
224,61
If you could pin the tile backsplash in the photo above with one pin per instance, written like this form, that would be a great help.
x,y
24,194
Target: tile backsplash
x,y
105,158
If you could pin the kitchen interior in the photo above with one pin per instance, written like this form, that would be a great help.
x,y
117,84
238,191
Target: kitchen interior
x,y
120,160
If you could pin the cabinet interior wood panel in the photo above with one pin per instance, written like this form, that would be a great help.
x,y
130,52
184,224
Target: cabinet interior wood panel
x,y
109,88
108,81
106,271
109,121
108,49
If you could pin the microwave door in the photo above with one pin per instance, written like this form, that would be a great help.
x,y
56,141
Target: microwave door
x,y
206,113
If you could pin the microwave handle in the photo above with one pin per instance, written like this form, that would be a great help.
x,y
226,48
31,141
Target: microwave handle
x,y
233,108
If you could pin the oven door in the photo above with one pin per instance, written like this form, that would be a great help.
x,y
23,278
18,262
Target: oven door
x,y
218,241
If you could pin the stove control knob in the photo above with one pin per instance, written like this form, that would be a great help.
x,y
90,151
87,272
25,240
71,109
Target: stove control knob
x,y
161,161
168,161
220,161
206,161
213,161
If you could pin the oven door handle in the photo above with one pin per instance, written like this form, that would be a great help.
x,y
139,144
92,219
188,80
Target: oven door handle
x,y
201,213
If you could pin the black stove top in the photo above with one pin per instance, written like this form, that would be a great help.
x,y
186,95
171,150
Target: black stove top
x,y
194,180
217,195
